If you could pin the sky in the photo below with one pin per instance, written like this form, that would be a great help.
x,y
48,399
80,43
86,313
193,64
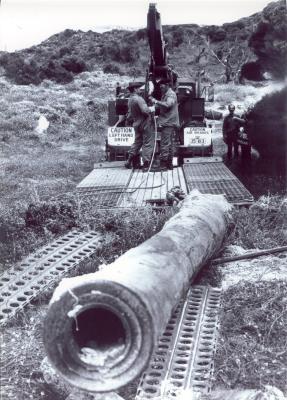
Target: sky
x,y
24,23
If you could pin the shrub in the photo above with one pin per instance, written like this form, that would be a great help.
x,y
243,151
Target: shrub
x,y
178,37
252,71
141,34
269,40
217,35
73,64
19,70
56,72
111,69
57,217
267,127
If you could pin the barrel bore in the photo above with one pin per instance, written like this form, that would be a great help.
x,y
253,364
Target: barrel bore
x,y
99,327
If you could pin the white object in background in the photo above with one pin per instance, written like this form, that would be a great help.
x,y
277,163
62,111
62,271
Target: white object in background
x,y
43,125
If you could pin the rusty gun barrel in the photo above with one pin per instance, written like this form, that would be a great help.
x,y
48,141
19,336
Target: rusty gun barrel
x,y
101,328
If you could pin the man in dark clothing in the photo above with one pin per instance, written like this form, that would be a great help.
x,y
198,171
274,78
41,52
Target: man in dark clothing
x,y
140,114
118,89
168,120
231,126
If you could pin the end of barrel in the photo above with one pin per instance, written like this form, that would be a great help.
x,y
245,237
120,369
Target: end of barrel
x,y
99,335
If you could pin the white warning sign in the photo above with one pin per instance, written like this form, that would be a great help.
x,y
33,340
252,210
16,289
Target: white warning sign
x,y
121,136
197,136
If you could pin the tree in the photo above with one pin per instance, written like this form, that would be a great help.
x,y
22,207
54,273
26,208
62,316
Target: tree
x,y
231,61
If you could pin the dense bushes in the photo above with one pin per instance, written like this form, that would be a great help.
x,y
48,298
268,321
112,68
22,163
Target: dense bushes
x,y
116,51
71,52
57,217
252,71
267,127
269,40
112,69
24,71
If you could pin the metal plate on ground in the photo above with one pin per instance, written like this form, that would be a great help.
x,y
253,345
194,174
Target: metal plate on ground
x,y
21,284
183,358
216,178
105,185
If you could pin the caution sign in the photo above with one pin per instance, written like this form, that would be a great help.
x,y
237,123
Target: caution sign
x,y
121,136
197,136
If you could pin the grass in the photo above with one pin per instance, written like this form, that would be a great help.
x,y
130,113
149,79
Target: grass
x,y
252,348
39,168
45,170
251,313
22,352
261,226
242,96
23,349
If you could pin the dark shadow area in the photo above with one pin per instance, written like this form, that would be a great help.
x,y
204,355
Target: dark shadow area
x,y
98,328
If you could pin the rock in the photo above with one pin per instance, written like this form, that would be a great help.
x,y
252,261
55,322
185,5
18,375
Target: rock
x,y
42,126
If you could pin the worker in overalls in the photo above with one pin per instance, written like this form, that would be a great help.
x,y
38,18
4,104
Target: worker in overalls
x,y
168,121
140,114
231,126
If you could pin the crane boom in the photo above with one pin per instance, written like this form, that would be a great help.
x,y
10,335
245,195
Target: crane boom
x,y
155,37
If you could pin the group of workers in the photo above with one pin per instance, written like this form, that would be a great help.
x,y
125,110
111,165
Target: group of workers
x,y
143,118
144,122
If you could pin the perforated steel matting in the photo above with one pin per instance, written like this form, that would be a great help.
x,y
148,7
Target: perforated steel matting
x,y
23,283
183,359
105,185
216,178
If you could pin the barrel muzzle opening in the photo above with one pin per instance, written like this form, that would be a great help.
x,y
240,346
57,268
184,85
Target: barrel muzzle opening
x,y
100,337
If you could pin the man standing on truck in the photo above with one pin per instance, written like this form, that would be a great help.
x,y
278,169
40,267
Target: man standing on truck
x,y
231,126
168,121
140,114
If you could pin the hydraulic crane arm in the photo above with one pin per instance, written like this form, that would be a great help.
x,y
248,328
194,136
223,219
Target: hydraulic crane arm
x,y
158,66
155,37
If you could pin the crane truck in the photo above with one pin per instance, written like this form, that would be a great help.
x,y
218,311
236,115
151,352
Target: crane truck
x,y
193,137
194,164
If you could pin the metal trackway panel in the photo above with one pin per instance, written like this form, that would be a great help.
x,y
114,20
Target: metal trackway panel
x,y
215,178
151,188
105,184
183,359
21,284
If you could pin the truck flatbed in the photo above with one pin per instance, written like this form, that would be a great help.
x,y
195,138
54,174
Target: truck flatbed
x,y
112,185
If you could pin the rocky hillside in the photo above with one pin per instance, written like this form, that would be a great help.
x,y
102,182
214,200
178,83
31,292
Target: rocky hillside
x,y
191,48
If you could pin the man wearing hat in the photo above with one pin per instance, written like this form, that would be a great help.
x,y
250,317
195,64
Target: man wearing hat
x,y
168,120
231,126
139,113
